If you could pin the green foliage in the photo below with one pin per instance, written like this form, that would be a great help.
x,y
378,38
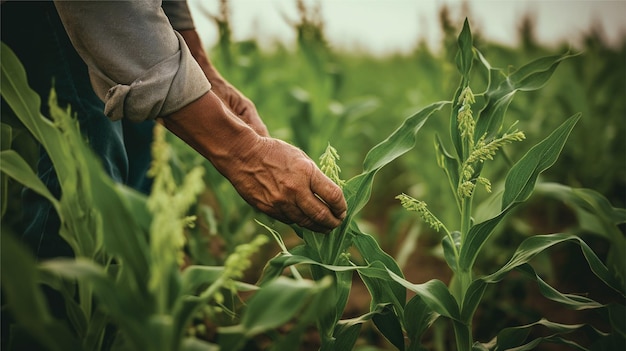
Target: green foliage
x,y
131,266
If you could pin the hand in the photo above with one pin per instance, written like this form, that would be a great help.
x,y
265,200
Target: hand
x,y
273,176
283,182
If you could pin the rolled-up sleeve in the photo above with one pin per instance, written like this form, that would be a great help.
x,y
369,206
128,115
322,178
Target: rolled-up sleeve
x,y
139,66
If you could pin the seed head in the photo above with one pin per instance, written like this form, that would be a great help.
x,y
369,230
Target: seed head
x,y
328,165
168,204
239,261
485,182
466,189
481,152
485,151
465,116
420,207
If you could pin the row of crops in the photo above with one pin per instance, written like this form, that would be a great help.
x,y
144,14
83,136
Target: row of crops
x,y
485,185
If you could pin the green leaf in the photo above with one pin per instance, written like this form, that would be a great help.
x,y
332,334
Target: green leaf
x,y
450,249
346,336
465,55
519,185
389,325
347,331
23,296
6,138
418,317
534,245
530,248
26,104
116,298
595,215
535,75
358,189
491,118
573,301
279,301
531,76
372,252
472,298
14,166
515,337
448,163
435,294
195,344
520,181
81,176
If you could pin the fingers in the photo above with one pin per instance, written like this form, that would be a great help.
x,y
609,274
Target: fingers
x,y
330,193
321,207
282,181
296,215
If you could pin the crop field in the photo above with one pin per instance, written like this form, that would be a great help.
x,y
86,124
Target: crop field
x,y
486,191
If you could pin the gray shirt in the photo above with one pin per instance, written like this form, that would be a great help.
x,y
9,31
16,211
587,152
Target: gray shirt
x,y
138,64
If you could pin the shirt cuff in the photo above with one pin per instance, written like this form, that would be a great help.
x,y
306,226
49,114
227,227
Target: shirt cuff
x,y
163,89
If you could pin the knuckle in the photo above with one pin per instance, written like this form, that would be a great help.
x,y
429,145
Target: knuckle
x,y
319,216
335,195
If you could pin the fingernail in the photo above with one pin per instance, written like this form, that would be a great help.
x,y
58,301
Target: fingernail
x,y
342,216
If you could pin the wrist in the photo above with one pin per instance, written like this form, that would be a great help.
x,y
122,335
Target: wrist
x,y
214,131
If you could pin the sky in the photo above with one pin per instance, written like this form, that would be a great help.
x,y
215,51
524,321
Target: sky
x,y
383,26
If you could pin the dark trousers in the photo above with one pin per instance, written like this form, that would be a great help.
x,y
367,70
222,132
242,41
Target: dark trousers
x,y
35,33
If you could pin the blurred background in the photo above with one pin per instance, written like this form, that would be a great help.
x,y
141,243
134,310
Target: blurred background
x,y
388,26
349,72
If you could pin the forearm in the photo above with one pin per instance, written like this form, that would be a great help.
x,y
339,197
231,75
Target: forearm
x,y
210,128
197,51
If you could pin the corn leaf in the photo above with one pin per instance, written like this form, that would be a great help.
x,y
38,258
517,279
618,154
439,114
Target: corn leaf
x,y
81,176
464,59
26,105
529,77
519,184
435,294
279,301
418,317
389,325
514,337
595,215
358,189
465,55
14,166
527,250
21,290
520,180
371,253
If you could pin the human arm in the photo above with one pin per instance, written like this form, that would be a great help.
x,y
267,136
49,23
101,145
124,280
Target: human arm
x,y
179,15
142,69
239,104
273,176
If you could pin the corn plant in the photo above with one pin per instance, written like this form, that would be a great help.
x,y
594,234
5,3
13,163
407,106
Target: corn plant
x,y
475,140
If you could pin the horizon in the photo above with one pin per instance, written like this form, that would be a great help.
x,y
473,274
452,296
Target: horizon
x,y
397,26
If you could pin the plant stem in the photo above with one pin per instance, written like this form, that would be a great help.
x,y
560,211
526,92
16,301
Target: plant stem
x,y
465,273
466,217
463,336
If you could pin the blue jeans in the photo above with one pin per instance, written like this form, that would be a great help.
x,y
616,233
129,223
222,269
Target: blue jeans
x,y
35,33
